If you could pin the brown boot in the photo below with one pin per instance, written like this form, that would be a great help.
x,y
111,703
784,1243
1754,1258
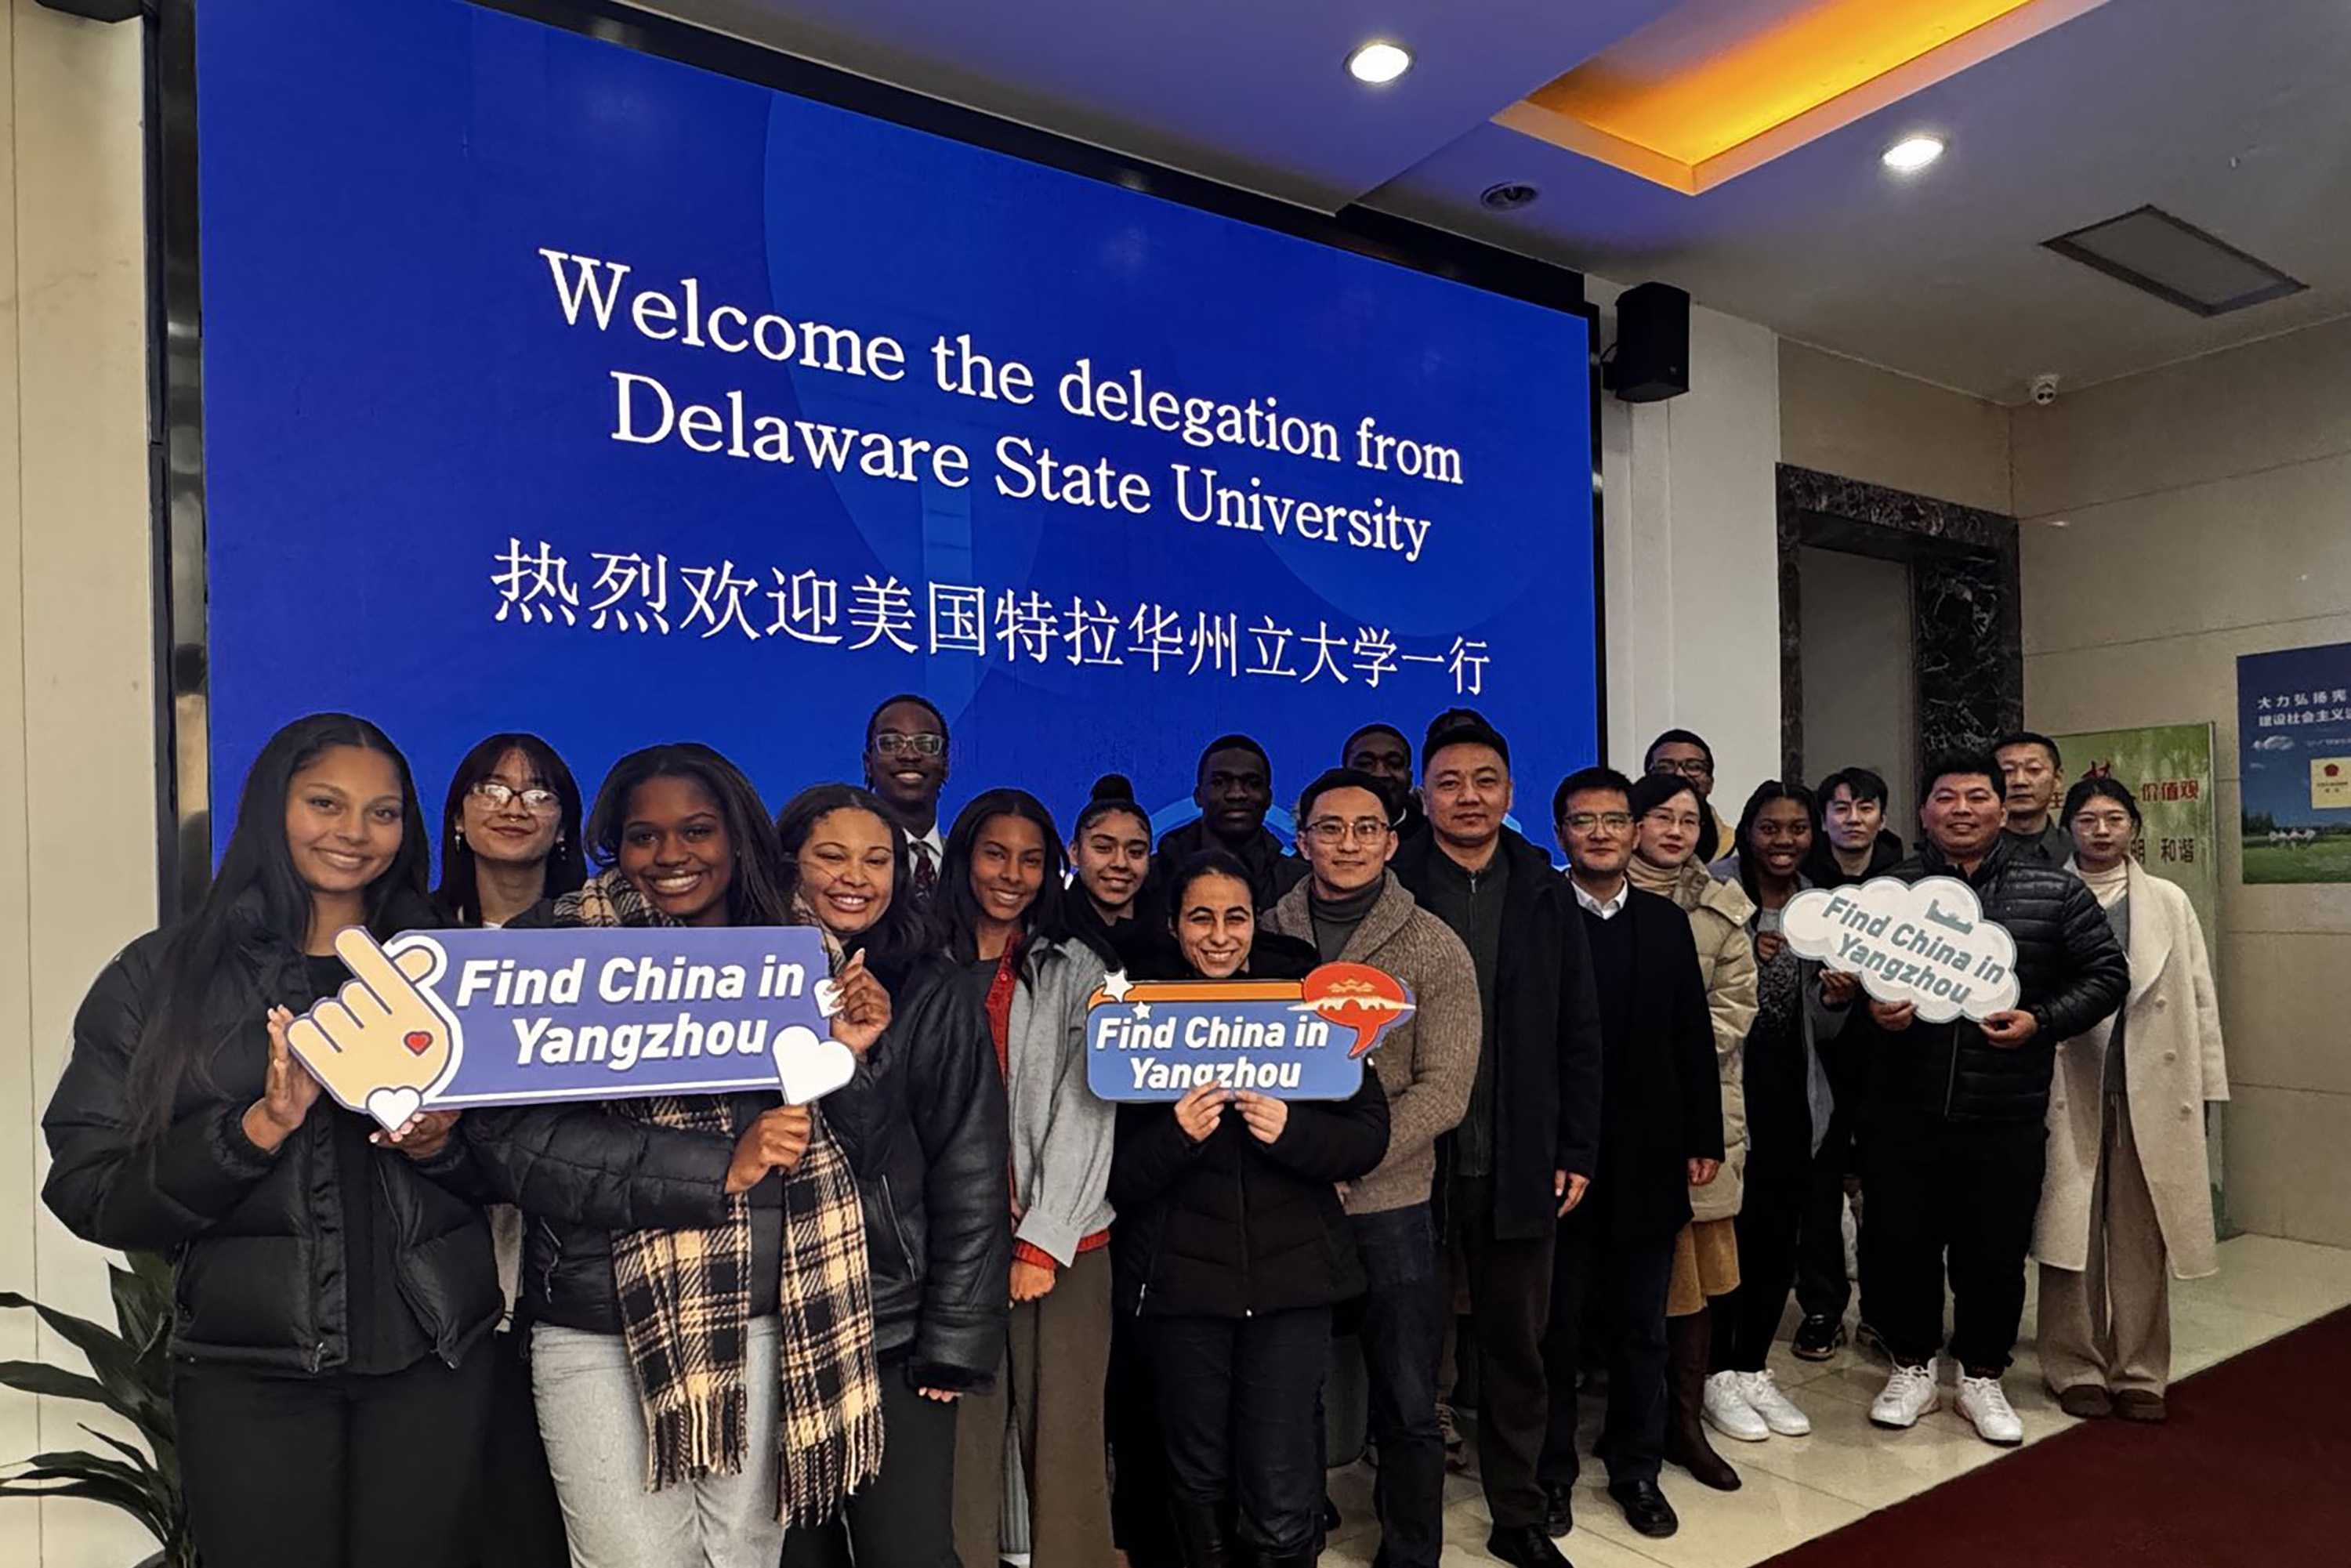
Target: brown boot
x,y
1687,1342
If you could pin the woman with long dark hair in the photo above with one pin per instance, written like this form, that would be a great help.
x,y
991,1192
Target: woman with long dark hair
x,y
923,1123
1234,1250
1109,859
701,1347
1001,899
333,1282
510,838
509,831
1788,1106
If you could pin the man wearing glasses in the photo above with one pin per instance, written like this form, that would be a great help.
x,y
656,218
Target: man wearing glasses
x,y
1354,911
1660,1134
1530,1139
1686,753
906,764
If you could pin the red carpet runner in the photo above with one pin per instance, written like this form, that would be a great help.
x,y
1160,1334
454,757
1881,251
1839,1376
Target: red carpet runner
x,y
2253,1470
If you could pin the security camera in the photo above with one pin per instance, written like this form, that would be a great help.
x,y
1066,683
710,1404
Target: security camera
x,y
2044,388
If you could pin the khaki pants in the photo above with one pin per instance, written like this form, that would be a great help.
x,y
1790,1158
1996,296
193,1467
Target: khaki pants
x,y
1050,1392
2110,1324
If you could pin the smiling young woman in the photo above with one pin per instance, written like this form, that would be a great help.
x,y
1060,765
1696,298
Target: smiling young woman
x,y
509,831
334,1288
923,1125
1001,898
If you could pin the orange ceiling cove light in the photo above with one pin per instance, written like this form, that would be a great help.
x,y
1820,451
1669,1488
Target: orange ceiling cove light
x,y
1715,88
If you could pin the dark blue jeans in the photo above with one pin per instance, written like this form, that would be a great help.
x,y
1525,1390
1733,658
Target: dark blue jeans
x,y
1240,1400
1403,1335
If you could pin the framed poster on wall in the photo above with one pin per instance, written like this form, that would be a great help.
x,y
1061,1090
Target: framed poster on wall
x,y
2293,743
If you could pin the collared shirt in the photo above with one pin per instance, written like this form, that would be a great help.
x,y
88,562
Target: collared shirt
x,y
1607,909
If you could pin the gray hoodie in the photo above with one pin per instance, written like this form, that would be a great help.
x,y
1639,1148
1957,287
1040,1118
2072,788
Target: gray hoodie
x,y
1061,1134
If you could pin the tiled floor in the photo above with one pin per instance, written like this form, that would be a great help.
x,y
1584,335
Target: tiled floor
x,y
1797,1488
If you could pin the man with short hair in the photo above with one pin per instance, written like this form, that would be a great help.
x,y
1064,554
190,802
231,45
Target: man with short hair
x,y
2031,772
1531,1140
1233,789
1382,751
906,766
1852,843
1660,1134
1353,910
1954,1123
1685,752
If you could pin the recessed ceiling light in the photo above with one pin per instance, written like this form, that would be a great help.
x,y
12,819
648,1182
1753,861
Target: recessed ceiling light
x,y
1379,62
1912,153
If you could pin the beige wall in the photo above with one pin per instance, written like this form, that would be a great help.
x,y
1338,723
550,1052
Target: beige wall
x,y
77,763
1842,416
2208,514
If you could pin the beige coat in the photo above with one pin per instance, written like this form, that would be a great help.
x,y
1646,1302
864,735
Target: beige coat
x,y
2172,1057
1719,913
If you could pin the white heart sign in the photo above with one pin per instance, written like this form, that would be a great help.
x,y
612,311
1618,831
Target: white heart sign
x,y
393,1107
810,1066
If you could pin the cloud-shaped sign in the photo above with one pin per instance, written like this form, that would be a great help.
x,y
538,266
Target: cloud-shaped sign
x,y
2275,743
1926,943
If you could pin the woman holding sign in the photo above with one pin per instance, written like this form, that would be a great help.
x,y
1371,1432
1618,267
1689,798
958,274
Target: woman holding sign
x,y
1234,1252
923,1123
701,1346
2127,1196
333,1283
1001,898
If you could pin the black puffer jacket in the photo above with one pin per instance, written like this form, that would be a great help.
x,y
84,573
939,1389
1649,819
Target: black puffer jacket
x,y
922,1123
2071,972
1232,1226
254,1236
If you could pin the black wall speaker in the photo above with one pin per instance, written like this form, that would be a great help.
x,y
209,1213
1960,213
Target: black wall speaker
x,y
1652,356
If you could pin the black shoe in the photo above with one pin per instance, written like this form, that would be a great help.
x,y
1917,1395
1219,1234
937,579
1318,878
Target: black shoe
x,y
1559,1509
1524,1546
1817,1337
1646,1508
1330,1514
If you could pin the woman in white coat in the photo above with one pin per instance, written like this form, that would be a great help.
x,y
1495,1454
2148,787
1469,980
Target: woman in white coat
x,y
2128,1190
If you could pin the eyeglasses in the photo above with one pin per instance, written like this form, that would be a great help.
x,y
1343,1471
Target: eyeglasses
x,y
890,743
493,793
2112,821
1671,820
1688,767
1331,830
1584,821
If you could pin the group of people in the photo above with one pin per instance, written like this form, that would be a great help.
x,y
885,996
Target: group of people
x,y
1620,1127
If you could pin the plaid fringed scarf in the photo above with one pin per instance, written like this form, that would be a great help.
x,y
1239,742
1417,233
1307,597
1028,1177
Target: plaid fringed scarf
x,y
686,1299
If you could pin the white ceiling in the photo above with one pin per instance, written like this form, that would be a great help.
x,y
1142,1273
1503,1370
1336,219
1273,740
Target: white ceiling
x,y
2232,114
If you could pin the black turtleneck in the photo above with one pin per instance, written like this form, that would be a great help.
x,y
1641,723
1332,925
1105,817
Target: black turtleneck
x,y
1335,919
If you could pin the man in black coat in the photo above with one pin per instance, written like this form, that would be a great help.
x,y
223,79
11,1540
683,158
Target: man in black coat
x,y
1660,1134
1233,789
1954,1121
1531,1141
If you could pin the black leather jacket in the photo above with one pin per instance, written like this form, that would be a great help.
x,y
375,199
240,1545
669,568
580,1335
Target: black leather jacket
x,y
2071,972
923,1124
257,1274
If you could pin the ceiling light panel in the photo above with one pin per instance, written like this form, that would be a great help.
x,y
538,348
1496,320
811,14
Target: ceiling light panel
x,y
2176,261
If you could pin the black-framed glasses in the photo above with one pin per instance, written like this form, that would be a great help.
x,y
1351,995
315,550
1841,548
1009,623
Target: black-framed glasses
x,y
1688,766
890,743
497,793
1334,830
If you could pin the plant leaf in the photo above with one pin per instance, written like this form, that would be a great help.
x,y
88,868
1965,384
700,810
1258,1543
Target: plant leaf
x,y
116,1362
144,1311
133,1501
56,1381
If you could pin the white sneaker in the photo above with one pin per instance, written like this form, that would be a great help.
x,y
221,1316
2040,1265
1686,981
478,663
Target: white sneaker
x,y
1761,1392
1910,1392
1985,1405
1727,1412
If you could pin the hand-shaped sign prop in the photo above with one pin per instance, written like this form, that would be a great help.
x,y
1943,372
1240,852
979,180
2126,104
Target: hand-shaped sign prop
x,y
447,1019
1924,942
1287,1040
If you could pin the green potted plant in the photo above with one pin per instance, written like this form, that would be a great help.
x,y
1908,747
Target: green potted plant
x,y
130,1375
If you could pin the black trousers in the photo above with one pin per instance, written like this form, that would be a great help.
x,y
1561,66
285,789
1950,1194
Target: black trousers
x,y
902,1518
1403,1332
1240,1399
1509,1308
1823,1288
1626,1279
334,1471
1967,1190
517,1523
1142,1507
1779,1180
